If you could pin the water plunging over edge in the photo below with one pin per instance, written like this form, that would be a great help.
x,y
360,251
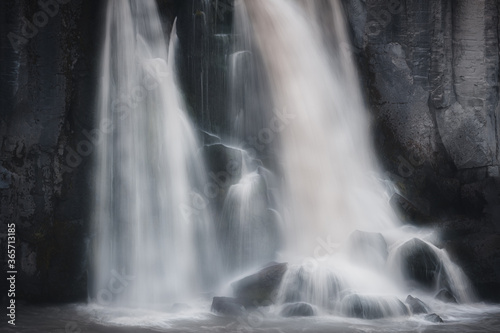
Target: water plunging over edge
x,y
146,250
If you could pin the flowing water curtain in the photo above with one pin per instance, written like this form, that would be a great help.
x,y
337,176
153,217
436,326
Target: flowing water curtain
x,y
147,168
326,158
325,151
250,104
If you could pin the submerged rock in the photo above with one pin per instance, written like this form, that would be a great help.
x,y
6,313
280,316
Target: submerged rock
x,y
300,309
260,287
416,305
433,318
322,287
446,296
227,306
372,307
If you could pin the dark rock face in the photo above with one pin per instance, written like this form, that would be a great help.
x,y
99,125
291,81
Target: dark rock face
x,y
47,93
446,296
299,282
204,29
436,101
431,71
434,318
478,251
420,264
260,287
300,309
227,306
416,305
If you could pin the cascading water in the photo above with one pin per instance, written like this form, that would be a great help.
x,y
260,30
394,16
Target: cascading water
x,y
341,233
296,109
325,152
251,230
146,251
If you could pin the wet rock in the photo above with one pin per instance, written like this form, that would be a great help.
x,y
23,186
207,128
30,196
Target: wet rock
x,y
372,307
209,138
227,306
300,284
420,264
416,305
300,309
478,253
433,318
223,164
261,286
446,296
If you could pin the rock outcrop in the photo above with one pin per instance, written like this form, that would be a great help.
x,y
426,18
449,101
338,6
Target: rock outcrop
x,y
431,73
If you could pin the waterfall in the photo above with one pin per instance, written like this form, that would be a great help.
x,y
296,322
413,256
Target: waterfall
x,y
346,247
250,230
325,149
306,188
147,250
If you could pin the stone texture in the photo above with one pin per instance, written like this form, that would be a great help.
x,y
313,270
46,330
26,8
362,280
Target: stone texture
x,y
227,306
434,318
416,305
262,286
446,296
431,72
46,97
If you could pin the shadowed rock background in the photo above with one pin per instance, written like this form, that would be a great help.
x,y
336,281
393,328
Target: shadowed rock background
x,y
430,71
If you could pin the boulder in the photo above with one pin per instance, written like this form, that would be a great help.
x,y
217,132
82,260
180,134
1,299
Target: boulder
x,y
322,285
420,263
227,306
260,287
300,309
446,296
372,307
416,305
433,318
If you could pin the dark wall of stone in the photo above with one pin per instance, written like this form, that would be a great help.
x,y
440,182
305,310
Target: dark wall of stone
x,y
48,74
204,29
431,73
